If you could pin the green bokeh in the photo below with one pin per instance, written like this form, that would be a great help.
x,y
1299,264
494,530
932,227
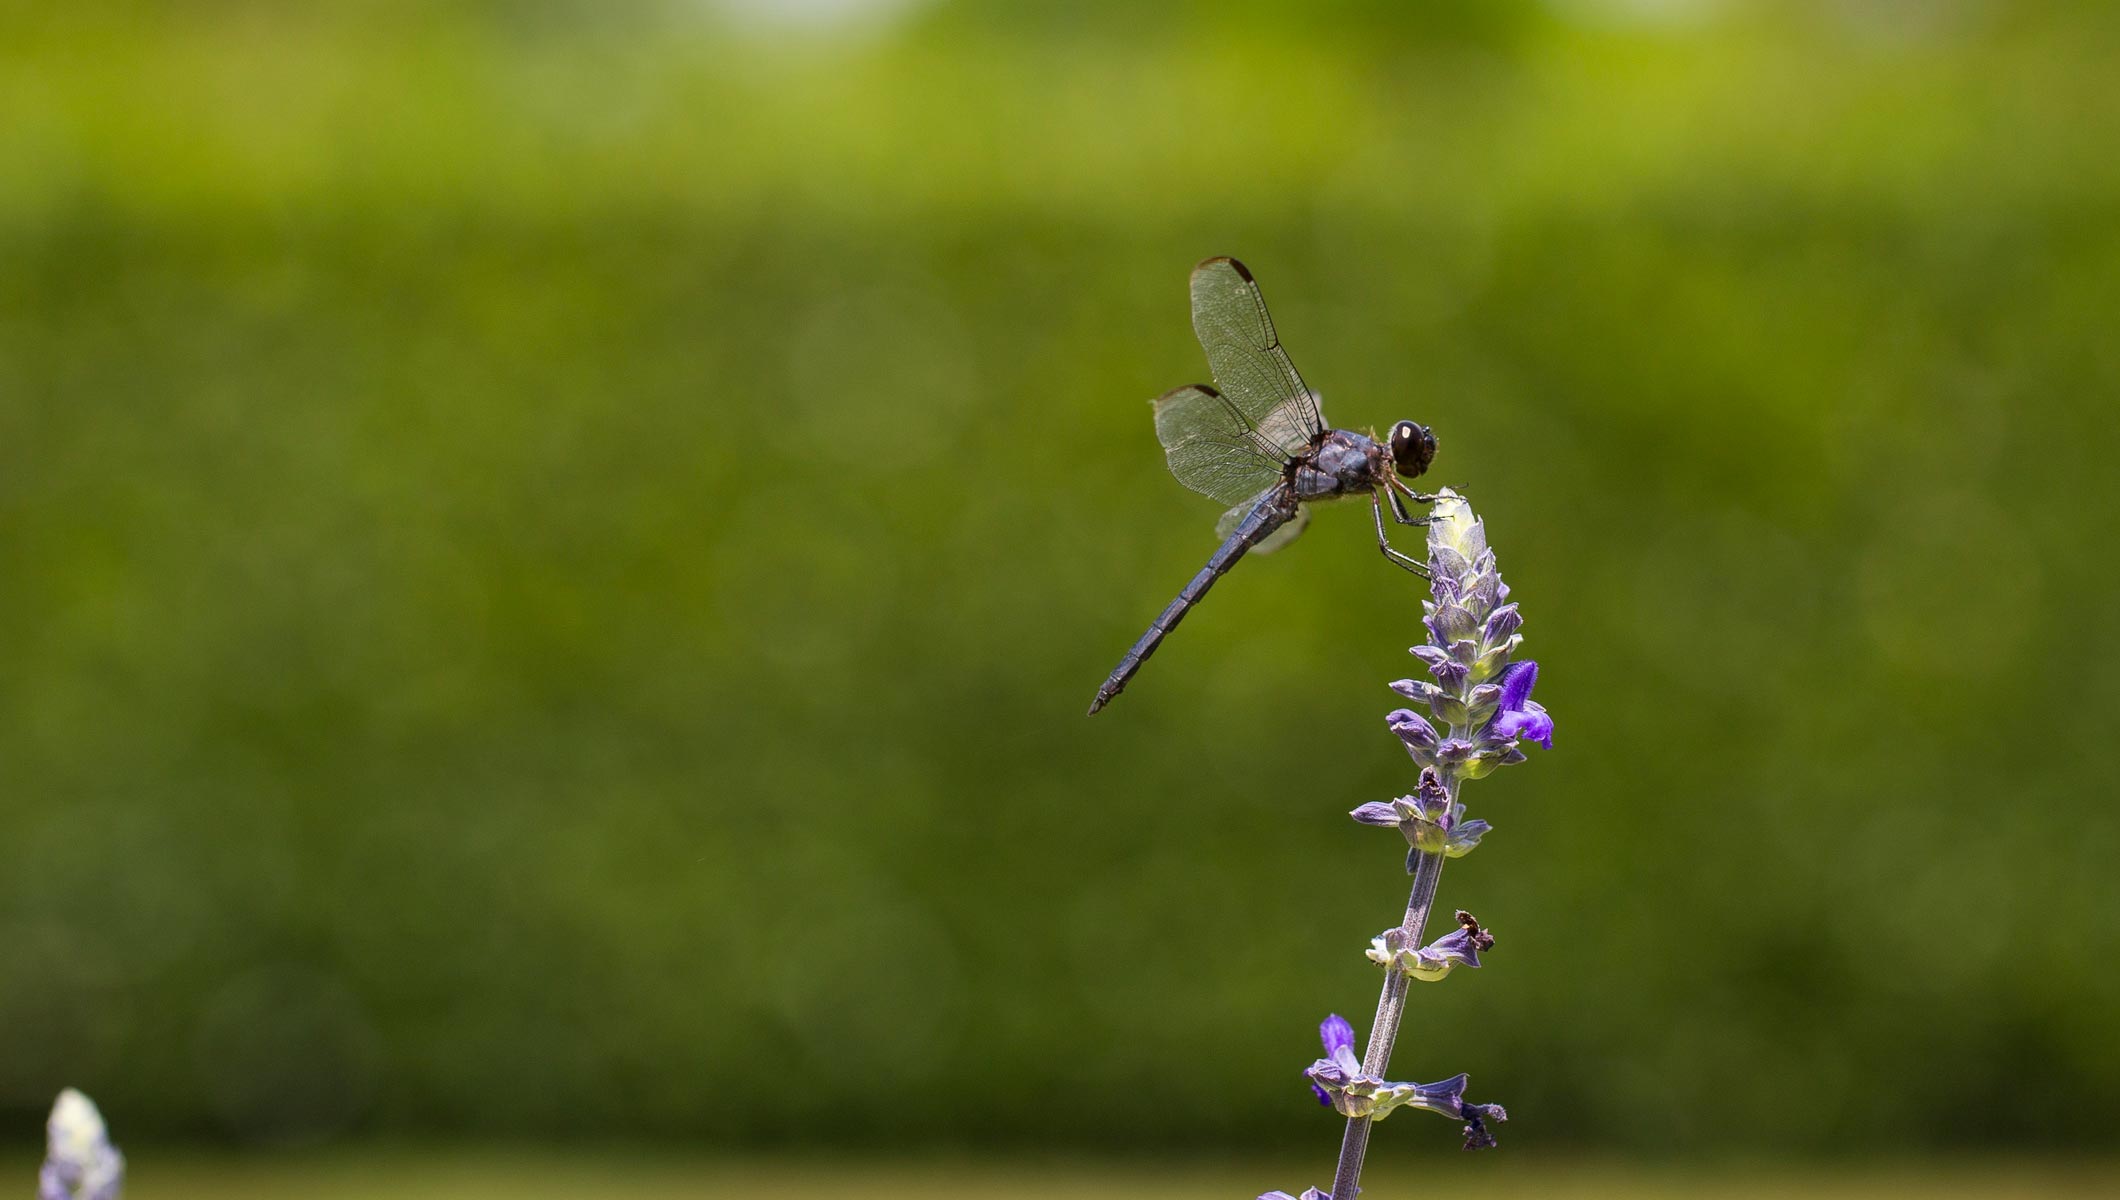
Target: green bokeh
x,y
551,560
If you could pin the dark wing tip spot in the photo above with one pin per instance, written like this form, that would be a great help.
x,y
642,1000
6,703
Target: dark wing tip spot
x,y
1176,392
1218,260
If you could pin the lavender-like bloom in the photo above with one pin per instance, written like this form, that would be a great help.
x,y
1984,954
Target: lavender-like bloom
x,y
1338,1037
79,1161
1478,708
1340,1082
1519,715
1430,819
1477,692
1394,950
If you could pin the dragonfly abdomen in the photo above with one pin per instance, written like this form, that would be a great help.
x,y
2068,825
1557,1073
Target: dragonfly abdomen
x,y
1274,509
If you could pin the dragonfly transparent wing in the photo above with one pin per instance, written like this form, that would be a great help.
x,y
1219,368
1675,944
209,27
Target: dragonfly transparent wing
x,y
1230,319
1211,448
1272,541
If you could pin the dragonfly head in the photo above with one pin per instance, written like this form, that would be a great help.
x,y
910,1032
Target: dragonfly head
x,y
1412,448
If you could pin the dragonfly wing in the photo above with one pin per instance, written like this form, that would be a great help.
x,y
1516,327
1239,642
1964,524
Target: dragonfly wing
x,y
1272,541
1211,448
1230,319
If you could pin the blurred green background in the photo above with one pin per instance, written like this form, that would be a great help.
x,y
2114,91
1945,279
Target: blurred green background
x,y
552,556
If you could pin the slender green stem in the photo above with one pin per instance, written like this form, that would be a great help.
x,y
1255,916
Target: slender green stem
x,y
1391,1008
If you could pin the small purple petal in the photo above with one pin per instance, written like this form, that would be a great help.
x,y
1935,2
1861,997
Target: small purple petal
x,y
1501,623
1330,1076
1459,945
1431,798
1412,728
1465,835
1413,689
1519,716
1344,1059
1455,944
1532,723
1451,622
1452,563
1377,812
1336,1033
1486,590
1538,725
1444,1096
1516,682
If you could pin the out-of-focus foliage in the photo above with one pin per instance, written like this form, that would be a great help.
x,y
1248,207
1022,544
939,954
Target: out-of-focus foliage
x,y
551,560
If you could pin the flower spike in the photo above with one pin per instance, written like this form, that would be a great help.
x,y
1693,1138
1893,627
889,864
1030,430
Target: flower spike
x,y
1466,718
79,1161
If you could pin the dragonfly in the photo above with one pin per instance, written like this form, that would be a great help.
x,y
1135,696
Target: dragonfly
x,y
1259,443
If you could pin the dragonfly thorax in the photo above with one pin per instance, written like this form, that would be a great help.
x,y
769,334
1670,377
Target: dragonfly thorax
x,y
1344,464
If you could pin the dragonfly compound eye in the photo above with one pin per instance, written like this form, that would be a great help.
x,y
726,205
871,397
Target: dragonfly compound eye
x,y
1412,448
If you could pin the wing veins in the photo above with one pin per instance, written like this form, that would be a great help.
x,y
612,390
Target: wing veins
x,y
1261,445
1251,364
1211,445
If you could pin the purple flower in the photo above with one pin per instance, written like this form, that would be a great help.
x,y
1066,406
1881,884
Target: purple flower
x,y
1338,1037
1501,623
79,1161
1480,700
1457,946
1475,706
1412,728
1465,837
1455,752
1340,1082
1446,1097
1518,715
1431,820
1336,1034
1460,947
1381,812
1431,800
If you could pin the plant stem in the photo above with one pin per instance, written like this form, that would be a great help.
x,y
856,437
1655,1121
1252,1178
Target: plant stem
x,y
1391,1006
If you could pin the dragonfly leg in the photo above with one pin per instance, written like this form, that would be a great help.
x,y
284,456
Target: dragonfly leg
x,y
1398,509
1399,486
1376,506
